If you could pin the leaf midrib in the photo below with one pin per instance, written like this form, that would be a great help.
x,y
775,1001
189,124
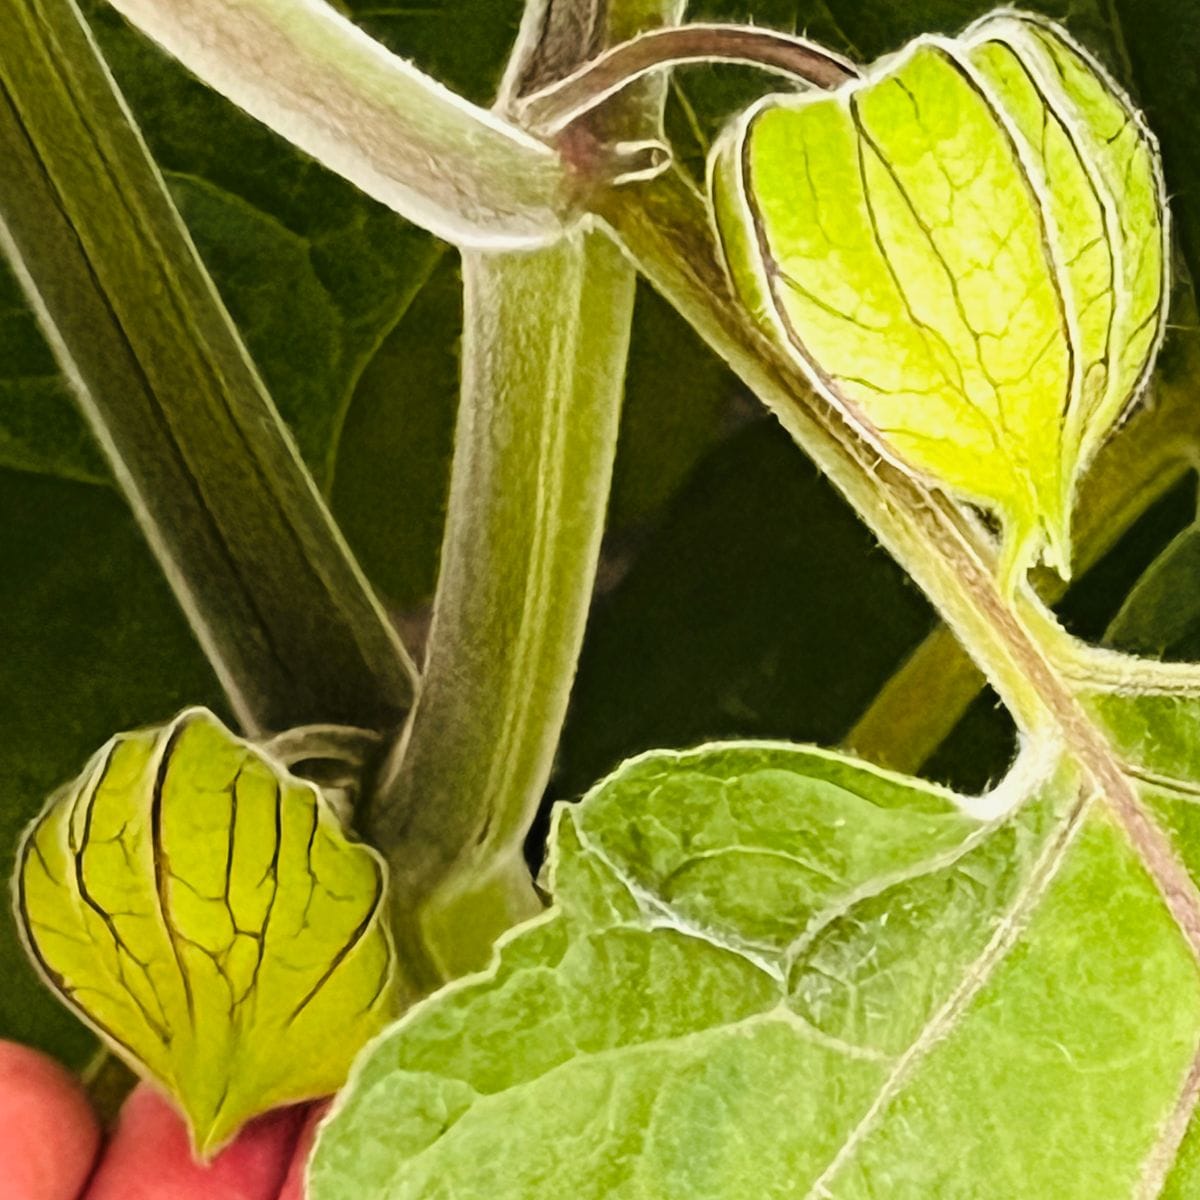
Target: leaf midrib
x,y
975,978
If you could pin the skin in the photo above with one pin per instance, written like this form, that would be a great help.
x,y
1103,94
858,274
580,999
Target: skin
x,y
293,1185
149,1158
50,1141
49,1136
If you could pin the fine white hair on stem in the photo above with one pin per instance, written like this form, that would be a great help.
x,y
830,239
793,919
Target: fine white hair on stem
x,y
315,78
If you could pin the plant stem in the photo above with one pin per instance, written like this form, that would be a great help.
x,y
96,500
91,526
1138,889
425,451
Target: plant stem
x,y
543,362
665,229
309,74
290,625
918,707
545,342
548,110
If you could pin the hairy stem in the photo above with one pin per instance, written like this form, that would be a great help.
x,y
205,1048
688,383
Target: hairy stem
x,y
665,228
1015,643
548,110
290,625
919,706
312,76
545,341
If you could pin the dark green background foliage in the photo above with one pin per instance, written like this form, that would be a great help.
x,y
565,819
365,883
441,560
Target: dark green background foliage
x,y
738,595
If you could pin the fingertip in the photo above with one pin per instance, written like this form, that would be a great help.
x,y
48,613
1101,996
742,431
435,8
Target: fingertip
x,y
150,1156
293,1185
49,1135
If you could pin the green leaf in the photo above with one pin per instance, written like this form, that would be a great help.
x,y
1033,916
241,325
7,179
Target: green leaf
x,y
40,427
679,404
1161,615
1161,41
772,971
958,249
204,911
389,491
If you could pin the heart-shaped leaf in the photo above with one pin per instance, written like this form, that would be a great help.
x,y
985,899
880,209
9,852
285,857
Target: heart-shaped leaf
x,y
205,912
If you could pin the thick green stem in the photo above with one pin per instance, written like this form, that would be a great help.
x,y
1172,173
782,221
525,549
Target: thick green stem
x,y
544,353
545,343
312,76
283,612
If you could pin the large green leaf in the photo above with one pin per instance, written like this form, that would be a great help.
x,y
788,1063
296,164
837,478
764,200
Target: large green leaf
x,y
770,971
1156,733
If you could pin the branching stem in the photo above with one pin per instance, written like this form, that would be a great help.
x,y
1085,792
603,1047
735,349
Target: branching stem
x,y
1015,642
311,75
546,336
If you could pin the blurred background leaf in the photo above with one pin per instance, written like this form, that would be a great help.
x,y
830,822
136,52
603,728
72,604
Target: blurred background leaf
x,y
40,429
759,606
95,644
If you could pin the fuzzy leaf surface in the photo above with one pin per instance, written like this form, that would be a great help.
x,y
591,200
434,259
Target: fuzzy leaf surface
x,y
779,972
